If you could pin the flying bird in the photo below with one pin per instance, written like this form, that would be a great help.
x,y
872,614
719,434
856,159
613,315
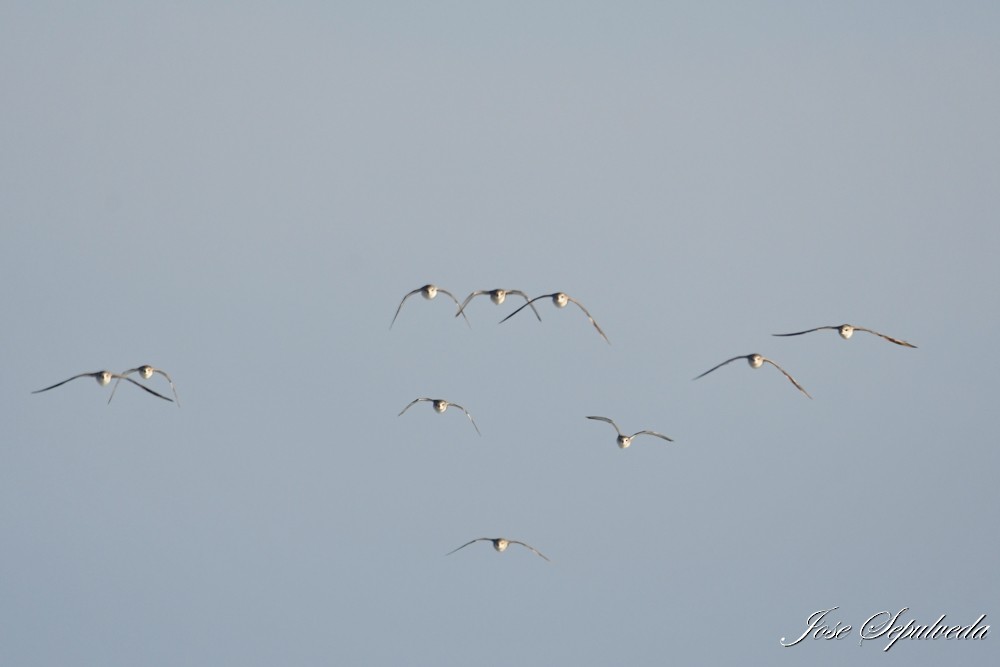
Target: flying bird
x,y
104,378
500,544
497,296
440,405
625,440
145,372
560,299
756,361
428,292
847,330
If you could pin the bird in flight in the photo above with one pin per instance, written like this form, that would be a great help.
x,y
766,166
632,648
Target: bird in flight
x,y
756,361
104,378
561,300
847,330
500,544
440,405
497,296
428,292
625,440
145,372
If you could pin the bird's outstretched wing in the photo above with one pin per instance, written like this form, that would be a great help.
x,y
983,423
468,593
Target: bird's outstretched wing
x,y
467,414
461,308
727,361
478,539
444,291
528,303
589,317
59,384
145,388
610,421
799,333
416,400
897,341
787,375
658,435
528,546
400,307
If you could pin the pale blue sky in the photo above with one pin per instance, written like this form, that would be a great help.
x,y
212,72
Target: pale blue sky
x,y
241,195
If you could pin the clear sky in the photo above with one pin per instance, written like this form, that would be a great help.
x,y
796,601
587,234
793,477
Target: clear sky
x,y
241,193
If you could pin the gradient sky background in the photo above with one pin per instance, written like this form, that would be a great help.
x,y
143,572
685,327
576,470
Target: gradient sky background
x,y
241,193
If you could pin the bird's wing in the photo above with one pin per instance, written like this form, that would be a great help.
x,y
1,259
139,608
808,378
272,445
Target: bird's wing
x,y
59,384
897,341
145,388
610,421
478,539
799,333
444,291
172,387
119,379
467,414
528,546
461,309
416,400
520,293
400,307
658,435
790,378
742,356
589,317
530,301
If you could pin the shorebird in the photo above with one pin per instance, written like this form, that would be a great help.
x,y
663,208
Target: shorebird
x,y
500,544
756,361
847,330
560,299
428,292
625,440
497,296
440,405
146,372
104,378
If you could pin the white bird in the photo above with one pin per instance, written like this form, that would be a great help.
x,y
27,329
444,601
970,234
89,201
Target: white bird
x,y
104,378
625,440
847,330
146,372
500,544
560,299
440,405
428,292
497,296
756,361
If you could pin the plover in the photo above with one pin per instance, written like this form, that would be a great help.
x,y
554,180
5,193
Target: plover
x,y
497,296
146,372
756,361
560,299
500,544
847,330
626,440
440,405
428,292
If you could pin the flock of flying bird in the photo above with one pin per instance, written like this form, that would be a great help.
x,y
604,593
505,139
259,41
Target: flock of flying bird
x,y
497,296
561,300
